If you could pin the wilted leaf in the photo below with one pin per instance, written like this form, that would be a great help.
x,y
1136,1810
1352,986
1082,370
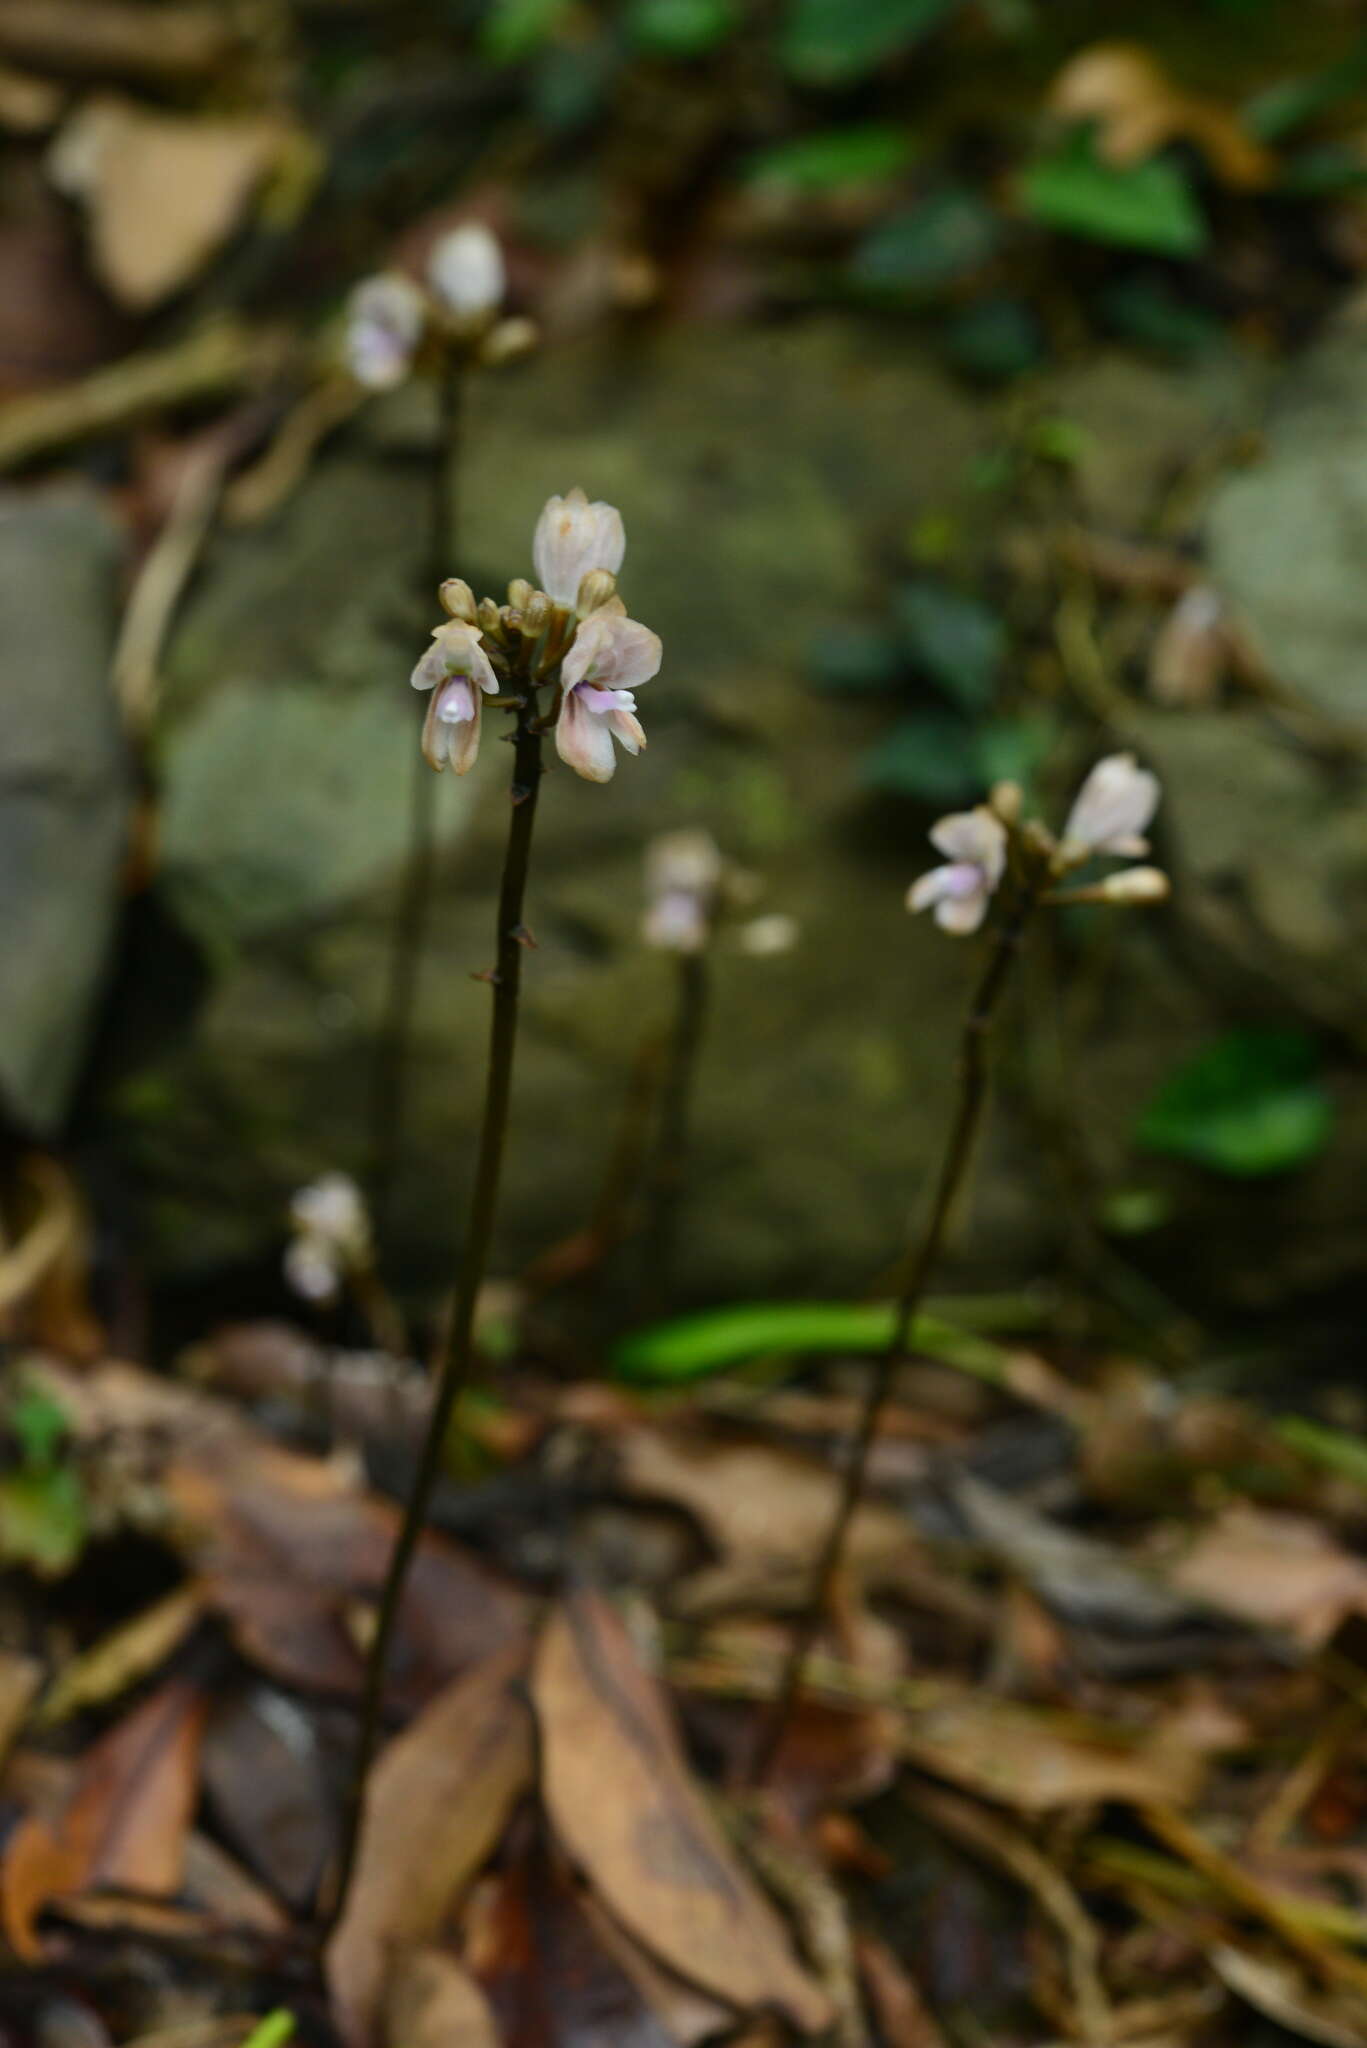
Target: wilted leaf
x,y
1138,110
942,239
1146,205
162,191
626,1809
1283,1995
127,1654
435,1807
1038,1762
830,42
126,1820
1251,1103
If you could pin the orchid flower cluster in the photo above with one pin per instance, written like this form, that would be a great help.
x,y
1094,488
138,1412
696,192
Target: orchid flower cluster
x,y
690,888
569,631
330,1238
393,322
1108,820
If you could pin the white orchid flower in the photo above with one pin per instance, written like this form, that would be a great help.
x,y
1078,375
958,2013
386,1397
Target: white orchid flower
x,y
959,892
1112,811
466,271
385,317
610,658
456,670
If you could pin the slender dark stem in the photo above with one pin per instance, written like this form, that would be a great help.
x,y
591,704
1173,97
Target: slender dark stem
x,y
389,1091
958,1155
458,1357
669,1165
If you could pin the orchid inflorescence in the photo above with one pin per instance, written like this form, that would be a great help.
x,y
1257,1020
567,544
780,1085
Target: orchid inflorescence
x,y
394,323
1109,817
571,635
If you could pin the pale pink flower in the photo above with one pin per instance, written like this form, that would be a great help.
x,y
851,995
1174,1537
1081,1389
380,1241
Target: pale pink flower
x,y
456,670
610,658
683,875
330,1236
465,271
1112,811
384,326
572,536
975,842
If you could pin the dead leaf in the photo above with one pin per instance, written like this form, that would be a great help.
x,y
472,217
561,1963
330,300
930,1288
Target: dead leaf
x,y
433,2003
125,1822
436,1805
1277,1571
19,1681
626,1809
1190,656
1138,110
264,1778
904,2020
1282,1994
162,192
122,38
121,1659
1038,1762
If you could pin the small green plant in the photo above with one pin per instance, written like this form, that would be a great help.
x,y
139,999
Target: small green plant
x,y
43,1518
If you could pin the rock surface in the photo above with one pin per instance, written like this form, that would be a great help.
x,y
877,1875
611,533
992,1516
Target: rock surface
x,y
64,792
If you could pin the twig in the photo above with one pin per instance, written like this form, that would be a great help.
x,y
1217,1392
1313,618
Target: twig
x,y
458,1359
958,1155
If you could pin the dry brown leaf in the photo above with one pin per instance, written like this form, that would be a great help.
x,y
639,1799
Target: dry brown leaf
x,y
626,1809
123,38
162,192
1190,656
1138,110
1276,1570
904,2020
1037,1761
126,1655
436,1805
433,2003
126,1820
1282,1994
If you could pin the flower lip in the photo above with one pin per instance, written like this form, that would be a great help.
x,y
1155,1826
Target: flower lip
x,y
960,889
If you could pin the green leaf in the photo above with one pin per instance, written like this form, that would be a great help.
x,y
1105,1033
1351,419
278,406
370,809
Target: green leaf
x,y
1333,1448
1251,1103
863,660
865,155
680,28
1015,749
1146,310
994,339
944,238
513,29
715,1340
932,756
833,42
1148,205
273,2031
957,639
1293,102
39,1423
42,1519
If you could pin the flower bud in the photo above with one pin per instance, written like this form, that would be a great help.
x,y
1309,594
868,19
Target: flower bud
x,y
465,271
458,600
595,590
1136,885
520,593
1007,800
536,613
507,342
572,537
488,617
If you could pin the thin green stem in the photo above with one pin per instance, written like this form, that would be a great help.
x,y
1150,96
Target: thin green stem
x,y
458,1357
389,1092
970,1101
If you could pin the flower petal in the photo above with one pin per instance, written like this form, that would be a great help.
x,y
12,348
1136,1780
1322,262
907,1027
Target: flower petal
x,y
1113,808
384,325
613,653
583,740
961,914
465,270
